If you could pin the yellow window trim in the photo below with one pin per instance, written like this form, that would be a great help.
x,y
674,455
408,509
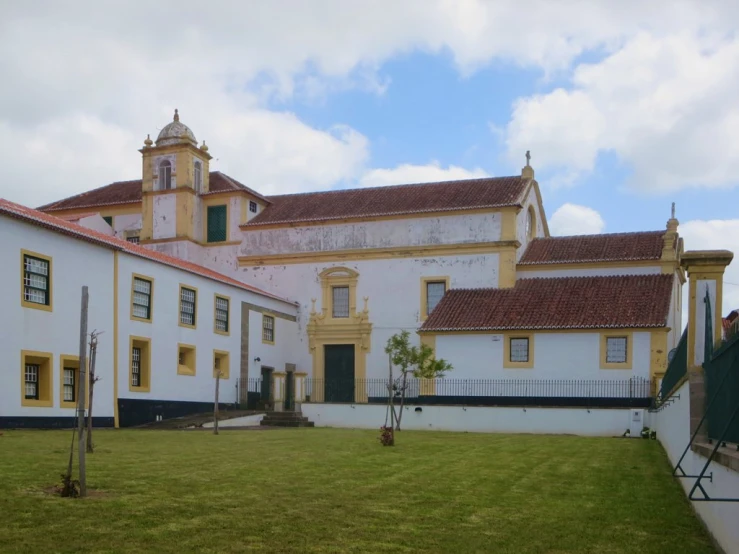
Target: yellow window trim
x,y
225,358
338,277
50,277
629,336
424,292
45,378
211,202
145,344
72,361
189,367
274,327
179,307
135,276
507,363
216,296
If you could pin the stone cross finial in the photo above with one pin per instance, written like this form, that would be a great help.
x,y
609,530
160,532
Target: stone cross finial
x,y
673,211
528,157
176,115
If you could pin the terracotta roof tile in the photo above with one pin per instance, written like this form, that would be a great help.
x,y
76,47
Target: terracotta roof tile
x,y
594,248
492,192
557,303
129,192
59,225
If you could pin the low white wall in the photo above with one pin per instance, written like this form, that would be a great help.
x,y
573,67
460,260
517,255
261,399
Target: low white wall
x,y
673,431
547,421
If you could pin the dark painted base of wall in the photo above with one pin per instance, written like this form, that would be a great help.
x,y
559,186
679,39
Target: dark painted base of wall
x,y
10,422
531,401
135,411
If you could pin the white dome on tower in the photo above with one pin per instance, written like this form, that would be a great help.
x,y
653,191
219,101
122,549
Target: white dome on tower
x,y
176,133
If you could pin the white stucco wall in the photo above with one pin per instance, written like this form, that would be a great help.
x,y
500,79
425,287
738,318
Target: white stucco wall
x,y
673,431
96,223
556,356
166,333
590,272
392,286
284,351
454,229
165,216
74,263
530,201
555,421
123,223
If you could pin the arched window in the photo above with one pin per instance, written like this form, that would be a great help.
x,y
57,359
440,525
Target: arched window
x,y
530,223
165,175
197,176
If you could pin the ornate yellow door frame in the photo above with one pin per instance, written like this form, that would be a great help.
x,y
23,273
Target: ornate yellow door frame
x,y
323,328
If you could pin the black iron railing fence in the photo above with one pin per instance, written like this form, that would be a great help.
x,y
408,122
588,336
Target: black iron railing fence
x,y
634,392
677,367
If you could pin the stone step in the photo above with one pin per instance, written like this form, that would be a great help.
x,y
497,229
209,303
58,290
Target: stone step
x,y
270,420
283,415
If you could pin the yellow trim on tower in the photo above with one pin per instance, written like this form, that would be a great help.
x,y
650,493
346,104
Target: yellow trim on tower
x,y
604,363
179,308
49,280
395,252
115,339
423,315
507,363
507,268
45,383
135,276
227,332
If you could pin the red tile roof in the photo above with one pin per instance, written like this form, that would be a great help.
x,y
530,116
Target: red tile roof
x,y
491,192
129,192
610,247
557,303
59,225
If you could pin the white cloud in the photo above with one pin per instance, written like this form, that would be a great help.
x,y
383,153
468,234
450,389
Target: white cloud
x,y
668,107
715,235
84,81
407,173
573,219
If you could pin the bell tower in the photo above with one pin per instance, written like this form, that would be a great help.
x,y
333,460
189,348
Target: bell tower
x,y
175,172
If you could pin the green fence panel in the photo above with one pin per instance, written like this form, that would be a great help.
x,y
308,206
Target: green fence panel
x,y
677,367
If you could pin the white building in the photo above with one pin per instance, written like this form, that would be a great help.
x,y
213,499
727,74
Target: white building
x,y
469,265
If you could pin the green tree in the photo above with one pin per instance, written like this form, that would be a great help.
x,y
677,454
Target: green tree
x,y
416,361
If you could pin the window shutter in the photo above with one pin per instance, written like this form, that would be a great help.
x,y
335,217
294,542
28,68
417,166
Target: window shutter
x,y
216,223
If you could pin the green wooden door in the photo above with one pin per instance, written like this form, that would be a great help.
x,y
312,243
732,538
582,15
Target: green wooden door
x,y
339,373
217,221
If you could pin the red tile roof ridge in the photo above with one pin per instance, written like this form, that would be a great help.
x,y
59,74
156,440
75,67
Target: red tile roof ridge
x,y
68,228
237,185
595,235
50,205
388,187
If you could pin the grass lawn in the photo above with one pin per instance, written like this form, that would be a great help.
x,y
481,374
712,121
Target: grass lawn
x,y
331,490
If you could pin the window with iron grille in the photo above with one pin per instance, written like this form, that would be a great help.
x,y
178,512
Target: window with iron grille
x,y
32,372
434,293
187,306
221,314
340,303
217,220
268,328
165,175
69,384
36,280
136,366
616,350
519,349
134,240
252,206
198,176
141,298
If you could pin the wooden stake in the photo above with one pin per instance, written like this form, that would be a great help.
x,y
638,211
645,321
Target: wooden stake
x,y
81,391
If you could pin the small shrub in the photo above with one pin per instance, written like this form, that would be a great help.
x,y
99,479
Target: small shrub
x,y
386,436
69,488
